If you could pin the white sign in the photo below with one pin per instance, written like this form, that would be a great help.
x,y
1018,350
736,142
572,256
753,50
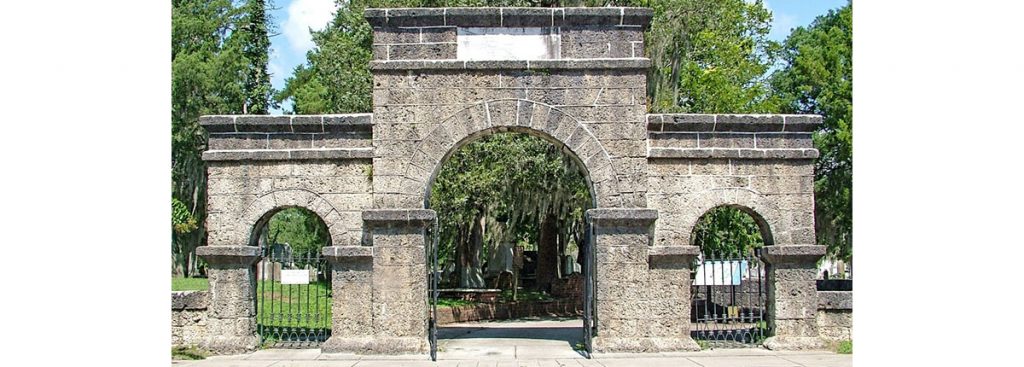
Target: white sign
x,y
508,43
721,272
300,276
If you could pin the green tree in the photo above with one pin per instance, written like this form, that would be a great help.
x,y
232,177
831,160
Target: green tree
x,y
818,79
508,188
254,42
710,57
208,76
300,228
727,231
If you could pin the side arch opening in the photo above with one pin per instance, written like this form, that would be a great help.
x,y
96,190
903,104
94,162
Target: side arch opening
x,y
729,291
293,280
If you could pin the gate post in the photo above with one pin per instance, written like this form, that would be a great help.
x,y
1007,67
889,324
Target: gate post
x,y
380,305
232,311
642,294
793,296
351,286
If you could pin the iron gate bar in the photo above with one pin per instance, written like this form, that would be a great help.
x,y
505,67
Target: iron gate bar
x,y
298,324
588,291
432,321
731,323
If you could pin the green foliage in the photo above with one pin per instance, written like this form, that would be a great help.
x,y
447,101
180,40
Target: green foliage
x,y
818,79
845,347
452,302
726,230
710,56
189,284
182,221
517,178
215,51
300,228
188,353
254,44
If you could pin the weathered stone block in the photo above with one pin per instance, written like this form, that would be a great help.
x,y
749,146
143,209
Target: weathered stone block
x,y
397,35
422,51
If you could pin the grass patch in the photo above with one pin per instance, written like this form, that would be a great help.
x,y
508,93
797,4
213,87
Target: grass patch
x,y
525,295
704,345
188,353
845,347
452,302
293,305
189,284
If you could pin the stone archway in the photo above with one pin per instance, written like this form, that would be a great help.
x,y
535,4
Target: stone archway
x,y
767,215
517,115
260,210
558,130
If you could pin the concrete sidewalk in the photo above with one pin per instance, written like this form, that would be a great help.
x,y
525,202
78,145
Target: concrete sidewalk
x,y
534,343
707,358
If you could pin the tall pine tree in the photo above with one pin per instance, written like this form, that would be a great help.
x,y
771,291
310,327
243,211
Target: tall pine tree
x,y
210,67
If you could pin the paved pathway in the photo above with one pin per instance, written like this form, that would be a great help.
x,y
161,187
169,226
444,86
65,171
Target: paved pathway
x,y
525,343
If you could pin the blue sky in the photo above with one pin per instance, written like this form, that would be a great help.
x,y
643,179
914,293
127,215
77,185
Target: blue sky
x,y
294,18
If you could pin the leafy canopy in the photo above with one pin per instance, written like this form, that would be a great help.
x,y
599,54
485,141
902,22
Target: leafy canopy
x,y
818,79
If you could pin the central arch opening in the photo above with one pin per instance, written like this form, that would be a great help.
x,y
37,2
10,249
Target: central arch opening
x,y
511,246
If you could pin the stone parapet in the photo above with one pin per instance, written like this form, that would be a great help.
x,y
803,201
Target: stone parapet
x,y
541,65
288,137
732,123
509,17
698,153
285,123
699,136
288,154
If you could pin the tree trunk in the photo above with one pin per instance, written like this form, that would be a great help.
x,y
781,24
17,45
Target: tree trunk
x,y
468,255
547,253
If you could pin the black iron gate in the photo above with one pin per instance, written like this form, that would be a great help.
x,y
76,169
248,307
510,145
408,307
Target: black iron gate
x,y
435,272
293,298
589,283
728,301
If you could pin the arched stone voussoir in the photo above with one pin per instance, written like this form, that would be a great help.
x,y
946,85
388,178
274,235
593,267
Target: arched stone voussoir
x,y
768,216
523,116
279,199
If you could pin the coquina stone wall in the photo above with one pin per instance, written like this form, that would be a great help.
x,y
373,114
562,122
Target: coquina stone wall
x,y
835,315
189,318
652,176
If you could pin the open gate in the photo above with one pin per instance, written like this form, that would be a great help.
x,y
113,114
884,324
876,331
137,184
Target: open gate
x,y
589,279
293,298
728,300
435,272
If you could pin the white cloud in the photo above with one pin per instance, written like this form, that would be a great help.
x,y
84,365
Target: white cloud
x,y
303,15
